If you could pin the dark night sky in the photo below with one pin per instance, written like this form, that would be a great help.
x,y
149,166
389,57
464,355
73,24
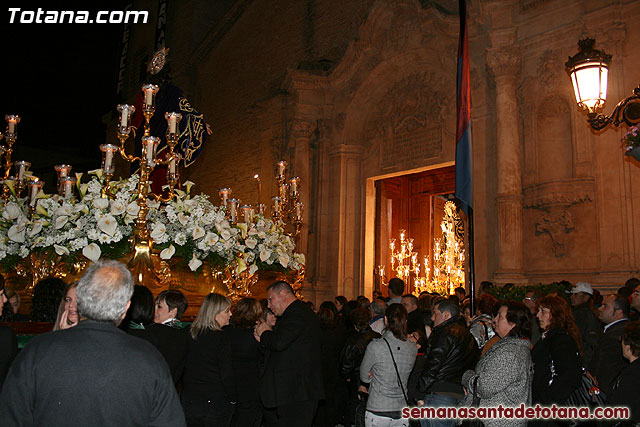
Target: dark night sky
x,y
60,79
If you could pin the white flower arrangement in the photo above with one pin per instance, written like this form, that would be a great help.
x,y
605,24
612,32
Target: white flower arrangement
x,y
189,227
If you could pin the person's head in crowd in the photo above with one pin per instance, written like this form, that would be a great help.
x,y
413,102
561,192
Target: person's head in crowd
x,y
597,299
214,314
68,309
267,314
632,283
454,299
248,311
485,286
635,298
396,288
513,319
47,295
376,295
360,318
13,298
311,305
363,301
378,308
340,300
170,304
624,292
465,309
425,302
631,341
444,310
331,306
395,319
3,295
279,296
555,312
142,306
581,293
104,292
531,300
410,302
486,304
326,318
614,307
6,312
460,292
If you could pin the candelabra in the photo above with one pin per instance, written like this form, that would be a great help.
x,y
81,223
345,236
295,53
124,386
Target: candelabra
x,y
286,206
402,258
448,253
141,262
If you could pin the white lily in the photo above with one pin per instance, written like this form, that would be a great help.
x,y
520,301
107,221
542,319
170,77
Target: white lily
x,y
117,207
108,224
211,239
183,219
195,263
251,243
133,209
158,231
61,221
225,234
11,211
198,232
167,253
153,204
16,233
101,203
265,254
283,259
61,250
92,251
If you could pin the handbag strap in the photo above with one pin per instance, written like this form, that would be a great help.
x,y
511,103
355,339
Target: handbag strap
x,y
475,401
397,373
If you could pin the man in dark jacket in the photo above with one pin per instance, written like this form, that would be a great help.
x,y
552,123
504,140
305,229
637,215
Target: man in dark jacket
x,y
292,380
607,361
588,323
451,350
93,374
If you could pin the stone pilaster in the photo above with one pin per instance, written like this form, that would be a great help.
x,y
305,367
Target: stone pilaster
x,y
302,130
504,62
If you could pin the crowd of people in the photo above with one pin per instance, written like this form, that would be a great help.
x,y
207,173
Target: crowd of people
x,y
119,356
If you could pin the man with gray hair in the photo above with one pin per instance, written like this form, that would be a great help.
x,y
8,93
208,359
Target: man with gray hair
x,y
93,373
377,308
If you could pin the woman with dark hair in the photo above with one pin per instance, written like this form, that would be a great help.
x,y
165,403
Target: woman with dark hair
x,y
386,366
556,357
46,299
245,360
503,375
141,310
209,387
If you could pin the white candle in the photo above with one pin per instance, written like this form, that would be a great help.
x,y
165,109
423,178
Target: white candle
x,y
294,186
148,96
68,188
172,166
123,118
108,158
281,167
172,123
20,172
299,211
12,125
35,189
276,204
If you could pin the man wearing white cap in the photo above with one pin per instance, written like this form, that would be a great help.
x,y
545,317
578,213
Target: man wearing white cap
x,y
588,323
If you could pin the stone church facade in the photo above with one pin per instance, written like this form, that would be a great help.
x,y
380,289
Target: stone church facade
x,y
349,92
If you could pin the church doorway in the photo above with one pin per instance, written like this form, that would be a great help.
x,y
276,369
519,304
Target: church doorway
x,y
411,238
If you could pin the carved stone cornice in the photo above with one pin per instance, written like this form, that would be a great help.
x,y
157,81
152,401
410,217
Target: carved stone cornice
x,y
559,193
504,61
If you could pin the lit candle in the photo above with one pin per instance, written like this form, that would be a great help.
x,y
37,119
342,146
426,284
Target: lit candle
x,y
67,185
402,235
149,90
172,165
149,149
392,244
107,164
12,121
172,123
294,186
247,213
282,165
21,168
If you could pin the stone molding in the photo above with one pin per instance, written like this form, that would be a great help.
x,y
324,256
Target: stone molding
x,y
557,225
559,193
302,128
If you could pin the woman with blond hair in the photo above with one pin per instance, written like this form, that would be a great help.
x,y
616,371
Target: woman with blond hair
x,y
67,310
209,390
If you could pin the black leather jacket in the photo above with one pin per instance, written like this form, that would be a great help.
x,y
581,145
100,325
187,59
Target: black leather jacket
x,y
352,354
451,350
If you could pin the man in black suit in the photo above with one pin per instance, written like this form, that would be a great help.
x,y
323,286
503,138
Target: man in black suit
x,y
607,361
93,373
292,380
